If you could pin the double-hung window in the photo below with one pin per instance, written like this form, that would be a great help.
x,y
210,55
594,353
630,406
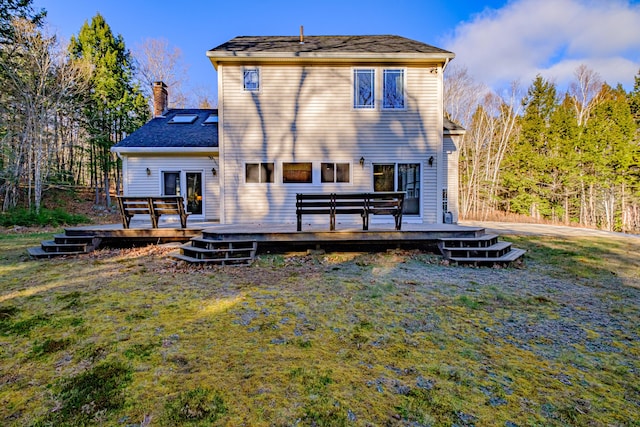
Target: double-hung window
x,y
393,89
251,79
364,83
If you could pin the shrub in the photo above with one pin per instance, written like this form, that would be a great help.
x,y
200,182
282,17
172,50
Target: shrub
x,y
29,218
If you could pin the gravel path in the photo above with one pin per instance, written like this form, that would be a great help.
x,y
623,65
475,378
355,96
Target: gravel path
x,y
543,229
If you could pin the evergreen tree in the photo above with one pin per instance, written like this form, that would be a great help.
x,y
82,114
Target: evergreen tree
x,y
10,9
525,179
115,106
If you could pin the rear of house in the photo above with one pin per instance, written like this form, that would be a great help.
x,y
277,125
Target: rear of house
x,y
318,114
332,114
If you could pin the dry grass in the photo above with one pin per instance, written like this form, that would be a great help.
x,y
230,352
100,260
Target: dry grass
x,y
129,337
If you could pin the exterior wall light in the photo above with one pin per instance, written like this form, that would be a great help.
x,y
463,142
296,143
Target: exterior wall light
x,y
431,161
214,172
148,172
362,161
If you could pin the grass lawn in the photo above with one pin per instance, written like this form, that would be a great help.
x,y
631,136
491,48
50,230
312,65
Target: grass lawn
x,y
129,337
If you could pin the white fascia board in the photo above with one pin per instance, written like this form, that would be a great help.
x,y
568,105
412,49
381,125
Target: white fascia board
x,y
164,150
218,57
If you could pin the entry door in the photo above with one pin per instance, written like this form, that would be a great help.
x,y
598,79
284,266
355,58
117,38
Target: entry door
x,y
194,193
400,177
177,183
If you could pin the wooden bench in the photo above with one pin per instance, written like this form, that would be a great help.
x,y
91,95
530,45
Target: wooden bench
x,y
169,205
363,204
155,207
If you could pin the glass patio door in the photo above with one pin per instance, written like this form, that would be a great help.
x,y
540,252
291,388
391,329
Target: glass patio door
x,y
400,177
178,183
194,193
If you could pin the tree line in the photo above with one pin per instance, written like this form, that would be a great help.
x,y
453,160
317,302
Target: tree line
x,y
571,158
568,158
62,107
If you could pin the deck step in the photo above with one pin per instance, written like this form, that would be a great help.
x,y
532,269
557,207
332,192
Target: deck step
x,y
201,250
513,255
481,250
64,245
470,242
37,252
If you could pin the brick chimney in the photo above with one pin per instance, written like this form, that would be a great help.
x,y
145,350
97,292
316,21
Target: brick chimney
x,y
160,99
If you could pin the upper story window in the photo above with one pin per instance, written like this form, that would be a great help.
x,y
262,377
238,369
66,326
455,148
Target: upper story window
x,y
252,79
393,84
364,88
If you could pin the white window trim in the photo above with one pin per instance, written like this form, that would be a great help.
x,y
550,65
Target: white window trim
x,y
259,71
335,162
259,163
373,107
404,89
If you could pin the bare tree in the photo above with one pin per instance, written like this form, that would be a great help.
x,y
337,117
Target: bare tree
x,y
585,92
39,82
158,61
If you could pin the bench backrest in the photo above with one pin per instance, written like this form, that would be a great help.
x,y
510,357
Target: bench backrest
x,y
131,205
168,205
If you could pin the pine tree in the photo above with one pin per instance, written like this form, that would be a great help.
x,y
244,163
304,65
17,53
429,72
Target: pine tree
x,y
115,105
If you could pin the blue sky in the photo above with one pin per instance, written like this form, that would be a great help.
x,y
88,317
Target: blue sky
x,y
498,41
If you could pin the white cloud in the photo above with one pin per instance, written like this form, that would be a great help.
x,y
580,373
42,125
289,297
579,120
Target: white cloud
x,y
551,38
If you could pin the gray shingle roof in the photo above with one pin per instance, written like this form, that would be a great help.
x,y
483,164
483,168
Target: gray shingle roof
x,y
387,48
158,132
452,127
344,44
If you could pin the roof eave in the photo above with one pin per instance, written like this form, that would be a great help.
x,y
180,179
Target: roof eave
x,y
216,57
164,150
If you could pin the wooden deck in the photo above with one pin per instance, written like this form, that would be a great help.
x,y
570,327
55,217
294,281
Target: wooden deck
x,y
208,242
278,234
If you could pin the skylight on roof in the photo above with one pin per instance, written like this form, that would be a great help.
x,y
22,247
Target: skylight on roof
x,y
184,118
213,118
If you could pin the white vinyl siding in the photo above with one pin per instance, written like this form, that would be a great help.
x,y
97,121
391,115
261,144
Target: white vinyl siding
x,y
306,114
136,182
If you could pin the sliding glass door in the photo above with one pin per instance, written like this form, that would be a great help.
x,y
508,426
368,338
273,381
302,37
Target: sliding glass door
x,y
400,177
179,183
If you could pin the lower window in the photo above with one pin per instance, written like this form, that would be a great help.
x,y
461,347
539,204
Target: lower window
x,y
400,177
334,172
297,173
259,172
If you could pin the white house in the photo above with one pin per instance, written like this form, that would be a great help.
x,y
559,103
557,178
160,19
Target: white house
x,y
315,114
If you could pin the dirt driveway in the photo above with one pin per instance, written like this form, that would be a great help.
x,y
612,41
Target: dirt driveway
x,y
543,229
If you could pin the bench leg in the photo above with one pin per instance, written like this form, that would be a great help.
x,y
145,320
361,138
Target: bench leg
x,y
299,228
398,222
332,222
183,221
365,221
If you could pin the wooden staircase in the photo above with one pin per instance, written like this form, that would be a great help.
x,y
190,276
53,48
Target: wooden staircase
x,y
64,245
481,250
204,250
